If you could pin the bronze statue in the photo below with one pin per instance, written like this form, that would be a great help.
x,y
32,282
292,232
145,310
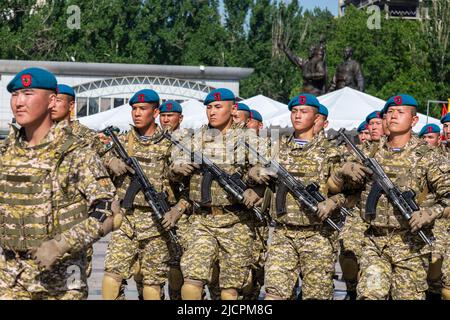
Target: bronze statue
x,y
348,73
314,69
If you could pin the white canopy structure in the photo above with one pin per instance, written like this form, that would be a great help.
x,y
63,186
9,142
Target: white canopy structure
x,y
347,109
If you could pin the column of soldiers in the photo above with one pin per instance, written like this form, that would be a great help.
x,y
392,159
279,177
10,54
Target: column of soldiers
x,y
62,189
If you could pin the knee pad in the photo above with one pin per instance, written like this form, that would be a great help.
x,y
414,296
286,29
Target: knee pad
x,y
435,270
192,290
151,292
111,286
228,294
349,266
445,293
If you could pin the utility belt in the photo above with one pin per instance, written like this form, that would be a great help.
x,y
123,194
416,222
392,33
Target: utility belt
x,y
14,255
383,232
217,210
290,227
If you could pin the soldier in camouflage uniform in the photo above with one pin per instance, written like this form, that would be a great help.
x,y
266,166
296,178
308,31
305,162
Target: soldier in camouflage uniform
x,y
394,261
301,243
220,230
62,111
141,238
55,199
375,125
171,116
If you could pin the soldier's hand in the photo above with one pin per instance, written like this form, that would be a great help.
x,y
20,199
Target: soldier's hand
x,y
114,221
325,208
118,167
50,251
355,171
184,169
250,198
420,219
261,175
171,217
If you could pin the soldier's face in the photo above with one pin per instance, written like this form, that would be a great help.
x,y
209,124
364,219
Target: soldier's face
x,y
400,119
432,138
446,131
144,114
31,106
171,120
254,125
375,127
219,113
385,126
240,116
321,123
364,136
62,108
303,118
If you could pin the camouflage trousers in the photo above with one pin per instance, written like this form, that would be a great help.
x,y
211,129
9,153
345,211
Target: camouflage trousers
x,y
151,254
22,279
351,240
256,281
395,266
230,245
441,251
310,251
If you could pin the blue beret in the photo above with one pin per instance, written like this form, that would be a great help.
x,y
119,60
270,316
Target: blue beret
x,y
243,107
446,118
65,89
374,115
220,94
323,110
170,106
256,115
304,99
362,126
400,100
144,96
33,78
429,128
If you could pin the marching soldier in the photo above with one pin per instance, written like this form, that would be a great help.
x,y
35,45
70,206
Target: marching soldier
x,y
241,114
220,231
375,125
301,243
431,133
394,261
363,132
56,198
62,110
255,121
140,238
322,120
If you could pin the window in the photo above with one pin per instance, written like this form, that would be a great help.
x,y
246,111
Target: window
x,y
118,102
93,105
105,104
81,107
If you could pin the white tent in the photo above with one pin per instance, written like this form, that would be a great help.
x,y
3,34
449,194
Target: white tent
x,y
347,109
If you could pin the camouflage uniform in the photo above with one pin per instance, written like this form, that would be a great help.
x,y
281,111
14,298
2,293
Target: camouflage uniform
x,y
140,237
219,232
301,243
48,190
395,261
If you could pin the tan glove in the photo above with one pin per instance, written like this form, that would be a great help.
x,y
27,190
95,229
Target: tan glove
x,y
446,214
421,218
118,167
171,217
325,208
354,171
261,175
184,169
50,251
250,198
112,223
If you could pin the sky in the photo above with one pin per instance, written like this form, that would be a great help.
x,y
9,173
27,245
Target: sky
x,y
332,5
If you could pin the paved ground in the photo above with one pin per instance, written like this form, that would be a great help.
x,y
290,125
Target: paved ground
x,y
95,281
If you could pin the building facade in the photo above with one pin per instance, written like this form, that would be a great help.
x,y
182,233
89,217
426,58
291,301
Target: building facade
x,y
405,9
104,86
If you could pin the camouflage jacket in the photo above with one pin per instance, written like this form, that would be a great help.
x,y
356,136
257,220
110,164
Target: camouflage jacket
x,y
91,137
311,163
417,167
